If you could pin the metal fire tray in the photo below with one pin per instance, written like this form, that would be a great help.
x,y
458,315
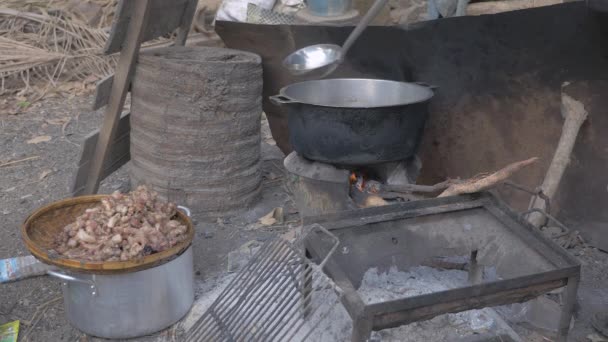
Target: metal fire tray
x,y
417,233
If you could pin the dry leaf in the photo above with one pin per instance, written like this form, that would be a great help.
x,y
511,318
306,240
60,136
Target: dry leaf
x,y
39,139
273,217
43,174
268,219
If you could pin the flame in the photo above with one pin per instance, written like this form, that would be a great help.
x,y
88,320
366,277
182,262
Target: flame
x,y
352,178
358,180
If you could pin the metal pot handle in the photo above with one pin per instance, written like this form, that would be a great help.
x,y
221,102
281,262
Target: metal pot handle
x,y
186,210
424,84
68,278
281,100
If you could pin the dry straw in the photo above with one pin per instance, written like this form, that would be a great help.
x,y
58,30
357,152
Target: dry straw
x,y
51,45
41,47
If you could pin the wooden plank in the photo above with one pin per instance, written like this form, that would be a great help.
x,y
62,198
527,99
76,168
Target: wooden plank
x,y
166,16
118,155
102,92
104,86
120,23
186,23
88,147
122,78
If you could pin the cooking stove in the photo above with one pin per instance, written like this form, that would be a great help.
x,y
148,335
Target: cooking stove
x,y
321,188
524,263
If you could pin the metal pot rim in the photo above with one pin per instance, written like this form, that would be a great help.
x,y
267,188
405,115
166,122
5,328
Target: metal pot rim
x,y
285,98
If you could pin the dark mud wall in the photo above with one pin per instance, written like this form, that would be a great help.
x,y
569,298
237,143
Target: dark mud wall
x,y
499,79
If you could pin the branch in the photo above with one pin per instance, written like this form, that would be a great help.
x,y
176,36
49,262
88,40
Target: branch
x,y
575,114
18,161
476,185
419,188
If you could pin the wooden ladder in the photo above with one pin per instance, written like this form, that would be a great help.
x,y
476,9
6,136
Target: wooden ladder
x,y
135,22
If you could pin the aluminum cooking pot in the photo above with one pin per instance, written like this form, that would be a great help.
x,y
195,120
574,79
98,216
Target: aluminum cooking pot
x,y
355,121
131,304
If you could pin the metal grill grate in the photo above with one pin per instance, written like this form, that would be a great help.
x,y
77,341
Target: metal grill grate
x,y
280,295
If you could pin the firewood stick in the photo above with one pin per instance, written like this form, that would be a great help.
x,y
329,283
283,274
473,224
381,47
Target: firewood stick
x,y
456,186
574,114
409,188
476,185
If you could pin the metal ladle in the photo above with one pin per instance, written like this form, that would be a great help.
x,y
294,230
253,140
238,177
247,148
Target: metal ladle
x,y
325,58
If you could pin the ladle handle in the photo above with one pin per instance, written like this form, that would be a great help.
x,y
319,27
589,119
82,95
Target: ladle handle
x,y
362,25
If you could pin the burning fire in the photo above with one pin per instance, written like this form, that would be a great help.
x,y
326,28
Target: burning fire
x,y
360,181
353,178
364,191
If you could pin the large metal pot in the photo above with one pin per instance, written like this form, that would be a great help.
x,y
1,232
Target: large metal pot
x,y
355,121
115,299
131,304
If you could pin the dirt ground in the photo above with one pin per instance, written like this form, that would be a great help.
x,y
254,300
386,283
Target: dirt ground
x,y
50,134
47,177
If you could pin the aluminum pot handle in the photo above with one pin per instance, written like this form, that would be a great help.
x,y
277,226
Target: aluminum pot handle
x,y
186,210
424,84
68,278
281,100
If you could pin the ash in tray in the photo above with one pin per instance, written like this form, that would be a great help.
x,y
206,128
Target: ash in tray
x,y
380,287
122,227
376,287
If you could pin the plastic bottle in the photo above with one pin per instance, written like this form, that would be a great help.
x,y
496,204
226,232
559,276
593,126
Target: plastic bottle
x,y
13,269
